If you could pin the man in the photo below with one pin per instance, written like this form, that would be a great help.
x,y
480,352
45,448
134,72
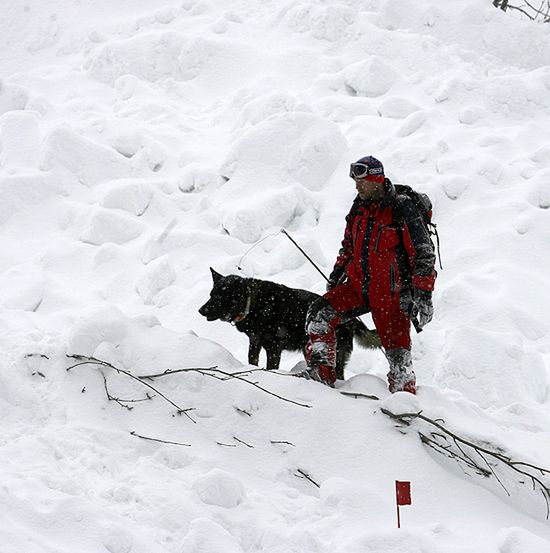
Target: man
x,y
385,266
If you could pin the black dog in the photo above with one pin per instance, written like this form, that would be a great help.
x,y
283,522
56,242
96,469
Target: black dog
x,y
273,317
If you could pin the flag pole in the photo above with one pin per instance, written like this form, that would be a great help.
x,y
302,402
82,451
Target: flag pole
x,y
397,504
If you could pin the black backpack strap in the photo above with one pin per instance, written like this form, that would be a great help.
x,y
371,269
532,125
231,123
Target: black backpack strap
x,y
432,229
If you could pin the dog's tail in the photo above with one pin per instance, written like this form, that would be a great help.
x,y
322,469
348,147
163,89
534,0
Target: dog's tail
x,y
364,336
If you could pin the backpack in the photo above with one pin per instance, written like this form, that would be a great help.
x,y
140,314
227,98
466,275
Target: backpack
x,y
423,204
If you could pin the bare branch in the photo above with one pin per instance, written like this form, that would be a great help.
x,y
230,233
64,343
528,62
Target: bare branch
x,y
282,442
256,385
218,374
305,475
527,9
452,455
36,355
169,372
485,454
244,443
358,394
243,412
494,474
133,433
112,398
83,360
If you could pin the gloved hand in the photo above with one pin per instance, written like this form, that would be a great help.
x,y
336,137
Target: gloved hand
x,y
423,306
335,277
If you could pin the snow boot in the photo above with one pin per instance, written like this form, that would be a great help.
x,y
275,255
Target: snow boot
x,y
401,377
324,374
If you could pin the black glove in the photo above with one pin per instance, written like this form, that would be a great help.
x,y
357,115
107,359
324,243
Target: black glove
x,y
422,307
336,277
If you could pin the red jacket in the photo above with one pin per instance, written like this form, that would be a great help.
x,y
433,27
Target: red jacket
x,y
387,250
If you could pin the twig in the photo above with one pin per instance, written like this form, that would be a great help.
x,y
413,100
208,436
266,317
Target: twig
x,y
112,398
406,418
494,474
358,394
36,355
518,9
451,454
540,11
305,475
93,361
133,433
122,402
213,372
169,372
244,443
256,385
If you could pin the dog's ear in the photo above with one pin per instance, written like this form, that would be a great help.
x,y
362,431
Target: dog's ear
x,y
215,276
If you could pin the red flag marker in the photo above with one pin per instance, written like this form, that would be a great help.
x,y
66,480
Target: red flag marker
x,y
402,497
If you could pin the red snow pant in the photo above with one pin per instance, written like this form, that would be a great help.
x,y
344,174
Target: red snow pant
x,y
393,326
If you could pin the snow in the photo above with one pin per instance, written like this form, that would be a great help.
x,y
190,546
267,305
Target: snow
x,y
142,143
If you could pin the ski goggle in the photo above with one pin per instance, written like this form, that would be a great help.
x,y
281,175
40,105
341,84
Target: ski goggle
x,y
360,170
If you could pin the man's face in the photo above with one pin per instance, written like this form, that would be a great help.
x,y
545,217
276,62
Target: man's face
x,y
368,189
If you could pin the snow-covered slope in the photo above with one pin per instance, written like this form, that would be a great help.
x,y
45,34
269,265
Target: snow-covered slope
x,y
142,143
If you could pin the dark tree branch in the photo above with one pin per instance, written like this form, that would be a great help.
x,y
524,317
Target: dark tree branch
x,y
133,433
244,443
518,9
112,398
83,360
459,454
305,475
218,374
527,9
358,394
452,455
123,402
494,474
243,412
169,372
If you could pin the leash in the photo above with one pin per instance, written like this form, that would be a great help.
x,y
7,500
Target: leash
x,y
282,231
303,253
254,245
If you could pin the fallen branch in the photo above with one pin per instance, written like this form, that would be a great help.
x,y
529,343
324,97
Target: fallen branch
x,y
83,360
243,412
244,443
133,433
169,372
305,475
355,395
122,402
36,355
452,446
218,374
527,9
